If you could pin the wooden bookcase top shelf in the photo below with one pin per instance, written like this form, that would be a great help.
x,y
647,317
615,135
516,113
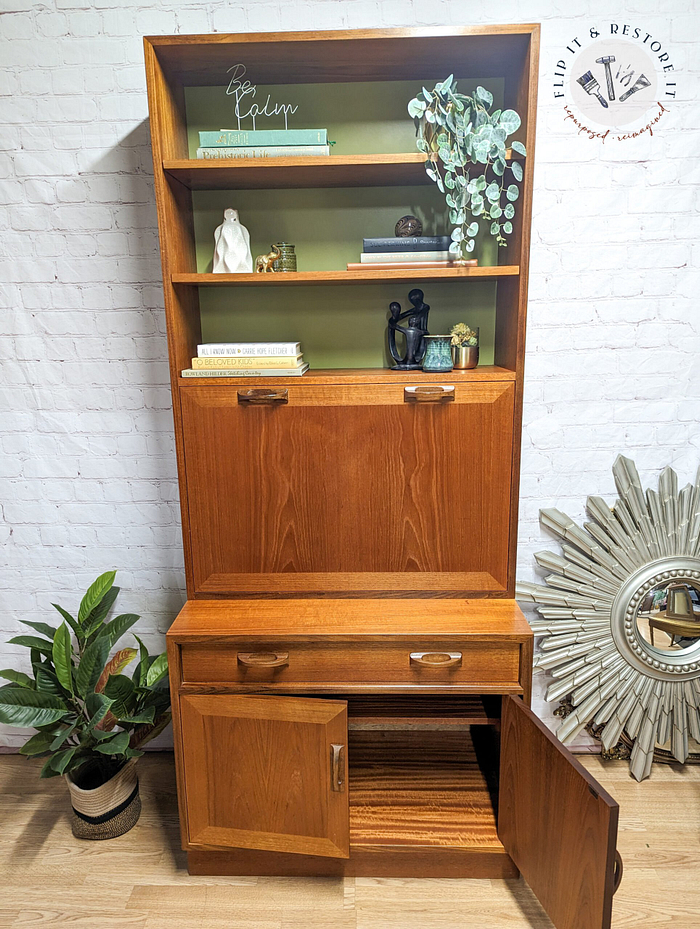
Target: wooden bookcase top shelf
x,y
292,278
376,170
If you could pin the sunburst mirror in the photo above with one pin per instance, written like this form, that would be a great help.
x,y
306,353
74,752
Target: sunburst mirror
x,y
620,617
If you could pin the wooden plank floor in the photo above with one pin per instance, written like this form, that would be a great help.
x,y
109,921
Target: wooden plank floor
x,y
139,881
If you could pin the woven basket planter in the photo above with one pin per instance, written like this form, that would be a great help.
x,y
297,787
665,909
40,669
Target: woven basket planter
x,y
108,810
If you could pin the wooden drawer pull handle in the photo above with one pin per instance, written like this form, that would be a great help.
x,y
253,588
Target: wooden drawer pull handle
x,y
262,395
618,869
429,393
263,659
437,659
337,768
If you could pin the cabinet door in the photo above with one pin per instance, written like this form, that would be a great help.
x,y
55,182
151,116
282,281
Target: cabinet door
x,y
349,491
268,773
556,822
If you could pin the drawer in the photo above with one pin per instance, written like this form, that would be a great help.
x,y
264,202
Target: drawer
x,y
406,661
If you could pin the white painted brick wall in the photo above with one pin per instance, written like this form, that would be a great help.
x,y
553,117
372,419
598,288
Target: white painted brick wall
x,y
87,468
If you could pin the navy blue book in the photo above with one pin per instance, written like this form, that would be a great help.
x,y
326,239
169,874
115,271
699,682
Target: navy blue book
x,y
420,243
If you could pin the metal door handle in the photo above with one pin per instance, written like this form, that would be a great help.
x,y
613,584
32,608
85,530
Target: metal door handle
x,y
337,767
436,659
429,393
263,395
263,659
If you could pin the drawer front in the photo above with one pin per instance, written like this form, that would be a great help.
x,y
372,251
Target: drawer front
x,y
410,661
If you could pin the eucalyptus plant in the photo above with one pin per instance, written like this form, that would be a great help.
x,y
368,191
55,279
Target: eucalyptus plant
x,y
456,132
88,715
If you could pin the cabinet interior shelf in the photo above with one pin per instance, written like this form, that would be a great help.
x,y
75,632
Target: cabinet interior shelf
x,y
350,376
421,788
372,276
377,170
377,713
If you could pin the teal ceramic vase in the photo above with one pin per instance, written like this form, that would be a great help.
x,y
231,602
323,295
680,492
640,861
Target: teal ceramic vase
x,y
438,354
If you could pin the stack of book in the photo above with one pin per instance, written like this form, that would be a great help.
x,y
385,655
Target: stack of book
x,y
262,143
247,359
406,253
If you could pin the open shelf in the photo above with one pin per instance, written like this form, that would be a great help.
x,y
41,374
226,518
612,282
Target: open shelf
x,y
348,376
292,278
421,788
431,713
380,170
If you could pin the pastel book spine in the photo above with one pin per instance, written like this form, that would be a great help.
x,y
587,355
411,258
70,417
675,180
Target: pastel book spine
x,y
407,265
421,243
272,151
246,372
382,257
257,361
233,349
252,137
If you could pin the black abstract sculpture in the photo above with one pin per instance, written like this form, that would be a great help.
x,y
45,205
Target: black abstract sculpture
x,y
413,332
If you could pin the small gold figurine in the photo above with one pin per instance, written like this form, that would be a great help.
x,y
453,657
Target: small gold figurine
x,y
263,263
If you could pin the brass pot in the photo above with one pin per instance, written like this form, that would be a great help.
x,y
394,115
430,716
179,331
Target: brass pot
x,y
465,356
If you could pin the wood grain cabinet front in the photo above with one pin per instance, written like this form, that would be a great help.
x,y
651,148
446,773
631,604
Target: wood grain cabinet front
x,y
349,491
479,666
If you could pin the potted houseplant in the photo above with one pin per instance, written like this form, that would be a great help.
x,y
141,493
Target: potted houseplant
x,y
466,156
465,346
91,719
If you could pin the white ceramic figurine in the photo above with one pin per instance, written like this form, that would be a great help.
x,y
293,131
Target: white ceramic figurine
x,y
232,253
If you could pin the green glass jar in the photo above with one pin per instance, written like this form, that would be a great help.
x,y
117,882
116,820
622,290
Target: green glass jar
x,y
438,353
287,260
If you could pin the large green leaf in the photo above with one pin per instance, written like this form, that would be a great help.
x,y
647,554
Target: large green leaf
x,y
99,613
120,689
143,665
116,627
20,706
62,657
117,745
38,744
46,680
73,623
60,761
144,717
91,664
97,706
94,594
33,641
17,677
43,628
63,735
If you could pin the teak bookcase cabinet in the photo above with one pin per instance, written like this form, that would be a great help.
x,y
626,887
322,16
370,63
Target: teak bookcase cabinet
x,y
351,674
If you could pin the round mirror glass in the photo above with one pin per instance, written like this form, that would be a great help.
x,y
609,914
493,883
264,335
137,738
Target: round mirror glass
x,y
669,616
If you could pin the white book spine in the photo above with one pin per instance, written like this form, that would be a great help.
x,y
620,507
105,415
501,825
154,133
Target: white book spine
x,y
269,151
371,258
245,372
232,349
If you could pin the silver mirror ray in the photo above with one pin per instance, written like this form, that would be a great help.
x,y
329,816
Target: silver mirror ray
x,y
591,643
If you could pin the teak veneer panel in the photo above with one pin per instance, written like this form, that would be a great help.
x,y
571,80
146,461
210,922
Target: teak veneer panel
x,y
355,377
556,822
349,492
280,799
202,621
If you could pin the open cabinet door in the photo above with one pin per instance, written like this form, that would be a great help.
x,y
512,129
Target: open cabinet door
x,y
556,822
268,773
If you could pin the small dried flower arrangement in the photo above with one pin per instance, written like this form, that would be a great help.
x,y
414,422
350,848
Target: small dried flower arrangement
x,y
463,335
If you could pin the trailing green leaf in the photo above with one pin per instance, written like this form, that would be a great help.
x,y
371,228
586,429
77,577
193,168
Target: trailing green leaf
x,y
61,760
32,641
39,744
116,628
99,613
97,706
